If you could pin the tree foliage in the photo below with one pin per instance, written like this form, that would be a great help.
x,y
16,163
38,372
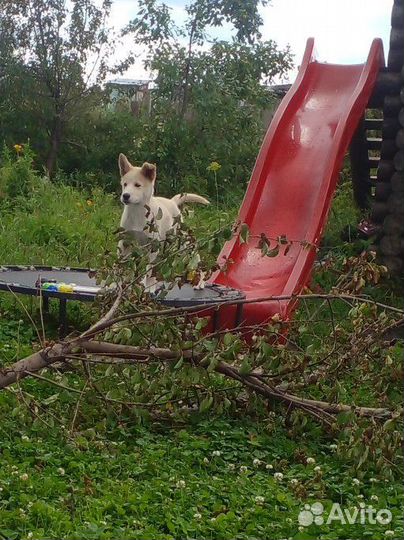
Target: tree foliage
x,y
210,93
54,58
207,105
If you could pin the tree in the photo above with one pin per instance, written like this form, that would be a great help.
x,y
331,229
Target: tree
x,y
56,57
210,93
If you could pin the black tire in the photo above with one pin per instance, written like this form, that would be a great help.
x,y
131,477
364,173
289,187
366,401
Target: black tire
x,y
390,241
382,192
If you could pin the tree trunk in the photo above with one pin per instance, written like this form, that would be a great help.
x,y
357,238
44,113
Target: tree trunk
x,y
185,95
55,141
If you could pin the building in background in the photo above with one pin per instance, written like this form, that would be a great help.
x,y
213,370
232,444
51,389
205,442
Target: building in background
x,y
133,95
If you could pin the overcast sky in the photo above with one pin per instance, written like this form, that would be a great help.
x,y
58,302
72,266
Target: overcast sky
x,y
343,29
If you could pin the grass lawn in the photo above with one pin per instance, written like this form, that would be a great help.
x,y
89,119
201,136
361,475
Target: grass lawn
x,y
97,475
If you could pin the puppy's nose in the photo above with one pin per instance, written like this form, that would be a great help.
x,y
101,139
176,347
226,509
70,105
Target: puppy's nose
x,y
125,197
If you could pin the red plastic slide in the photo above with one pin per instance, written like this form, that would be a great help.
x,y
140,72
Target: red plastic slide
x,y
293,182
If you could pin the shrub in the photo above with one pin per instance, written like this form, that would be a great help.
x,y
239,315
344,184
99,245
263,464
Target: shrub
x,y
17,174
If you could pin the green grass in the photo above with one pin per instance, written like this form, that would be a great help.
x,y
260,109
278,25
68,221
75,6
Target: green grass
x,y
213,479
58,225
110,477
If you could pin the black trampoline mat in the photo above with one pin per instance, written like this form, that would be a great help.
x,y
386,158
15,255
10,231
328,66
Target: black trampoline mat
x,y
23,279
187,295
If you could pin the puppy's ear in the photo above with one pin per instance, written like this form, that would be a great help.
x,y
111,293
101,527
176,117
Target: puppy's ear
x,y
149,171
124,164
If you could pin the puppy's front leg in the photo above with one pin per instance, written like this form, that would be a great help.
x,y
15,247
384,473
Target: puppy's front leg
x,y
123,250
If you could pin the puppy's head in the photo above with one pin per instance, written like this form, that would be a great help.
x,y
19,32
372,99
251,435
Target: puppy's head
x,y
137,182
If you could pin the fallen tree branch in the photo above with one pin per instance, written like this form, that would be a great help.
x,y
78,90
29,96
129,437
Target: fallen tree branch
x,y
44,358
268,391
60,351
34,362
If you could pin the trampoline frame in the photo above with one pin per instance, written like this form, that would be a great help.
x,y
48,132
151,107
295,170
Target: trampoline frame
x,y
44,294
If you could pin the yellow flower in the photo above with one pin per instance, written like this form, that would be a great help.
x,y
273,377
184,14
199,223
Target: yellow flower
x,y
18,148
89,202
214,166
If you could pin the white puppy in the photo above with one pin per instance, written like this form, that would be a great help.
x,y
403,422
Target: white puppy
x,y
141,206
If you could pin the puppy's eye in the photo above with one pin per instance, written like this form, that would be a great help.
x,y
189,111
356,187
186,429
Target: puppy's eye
x,y
125,184
138,185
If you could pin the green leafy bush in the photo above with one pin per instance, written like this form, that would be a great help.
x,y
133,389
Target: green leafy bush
x,y
17,174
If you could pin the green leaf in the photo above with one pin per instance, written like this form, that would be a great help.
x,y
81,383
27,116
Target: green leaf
x,y
273,252
282,239
201,323
244,234
194,261
390,424
228,339
179,364
51,399
245,367
206,404
213,364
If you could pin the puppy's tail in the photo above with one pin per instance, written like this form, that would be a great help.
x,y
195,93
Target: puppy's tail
x,y
189,197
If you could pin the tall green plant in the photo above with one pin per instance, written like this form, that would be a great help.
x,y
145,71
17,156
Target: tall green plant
x,y
17,175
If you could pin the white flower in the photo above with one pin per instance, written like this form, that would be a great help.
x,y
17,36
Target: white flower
x,y
301,528
362,505
1,489
310,461
372,480
103,522
374,498
216,453
257,462
333,447
317,468
61,471
355,481
180,484
25,438
259,500
361,496
197,515
388,533
294,482
243,469
278,476
30,534
24,477
213,519
205,460
269,467
231,466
